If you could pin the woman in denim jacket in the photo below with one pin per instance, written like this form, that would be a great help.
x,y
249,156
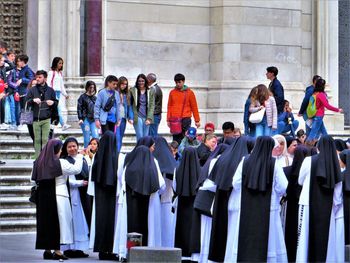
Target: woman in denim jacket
x,y
126,111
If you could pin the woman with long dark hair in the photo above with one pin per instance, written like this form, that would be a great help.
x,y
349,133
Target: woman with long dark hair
x,y
55,81
85,109
142,98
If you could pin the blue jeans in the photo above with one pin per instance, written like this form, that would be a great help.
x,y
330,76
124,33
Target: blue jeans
x,y
10,112
141,128
153,128
120,133
283,127
59,109
89,129
317,129
262,128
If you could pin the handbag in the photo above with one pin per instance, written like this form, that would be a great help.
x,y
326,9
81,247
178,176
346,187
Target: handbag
x,y
258,116
176,122
33,194
26,116
203,202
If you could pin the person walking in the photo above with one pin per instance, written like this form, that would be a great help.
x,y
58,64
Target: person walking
x,y
182,104
85,110
55,81
43,101
318,128
126,111
158,100
143,106
106,111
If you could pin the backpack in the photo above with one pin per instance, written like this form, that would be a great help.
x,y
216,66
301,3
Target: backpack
x,y
311,107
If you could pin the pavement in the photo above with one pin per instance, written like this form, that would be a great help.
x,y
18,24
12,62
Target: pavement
x,y
20,247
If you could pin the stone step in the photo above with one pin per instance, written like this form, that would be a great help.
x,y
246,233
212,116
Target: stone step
x,y
15,180
18,225
16,202
17,213
16,167
22,190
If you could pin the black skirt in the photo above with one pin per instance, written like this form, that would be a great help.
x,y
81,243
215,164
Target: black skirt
x,y
47,225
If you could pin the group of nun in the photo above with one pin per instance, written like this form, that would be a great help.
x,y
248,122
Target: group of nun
x,y
228,210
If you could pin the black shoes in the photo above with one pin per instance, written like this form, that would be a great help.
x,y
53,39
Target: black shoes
x,y
2,162
58,257
75,254
47,255
108,256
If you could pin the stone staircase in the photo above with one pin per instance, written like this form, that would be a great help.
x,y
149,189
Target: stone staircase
x,y
17,214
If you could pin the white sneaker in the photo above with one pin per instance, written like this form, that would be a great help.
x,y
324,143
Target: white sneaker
x,y
4,126
22,128
65,127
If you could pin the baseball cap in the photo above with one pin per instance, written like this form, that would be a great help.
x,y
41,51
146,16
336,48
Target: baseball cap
x,y
192,132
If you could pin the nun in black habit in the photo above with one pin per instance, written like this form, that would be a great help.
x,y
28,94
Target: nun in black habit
x,y
293,192
258,185
167,165
222,175
104,175
345,159
46,168
321,225
140,211
201,219
184,184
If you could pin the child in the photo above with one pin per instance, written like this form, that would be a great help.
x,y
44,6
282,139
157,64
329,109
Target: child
x,y
286,121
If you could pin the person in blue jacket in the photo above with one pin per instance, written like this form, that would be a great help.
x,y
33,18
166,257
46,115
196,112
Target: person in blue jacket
x,y
308,93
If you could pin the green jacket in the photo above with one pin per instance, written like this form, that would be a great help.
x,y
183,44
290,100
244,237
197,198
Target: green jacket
x,y
150,103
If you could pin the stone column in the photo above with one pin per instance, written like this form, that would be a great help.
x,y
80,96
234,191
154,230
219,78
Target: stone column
x,y
344,59
43,41
327,56
94,37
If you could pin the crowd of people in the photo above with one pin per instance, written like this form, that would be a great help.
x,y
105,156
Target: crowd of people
x,y
289,188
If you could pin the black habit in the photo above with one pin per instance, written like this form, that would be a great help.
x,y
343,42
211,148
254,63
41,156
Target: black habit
x,y
46,168
104,174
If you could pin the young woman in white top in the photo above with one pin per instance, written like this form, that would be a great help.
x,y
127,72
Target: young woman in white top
x,y
55,81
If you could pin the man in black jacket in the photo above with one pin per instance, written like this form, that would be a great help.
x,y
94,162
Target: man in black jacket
x,y
43,101
158,98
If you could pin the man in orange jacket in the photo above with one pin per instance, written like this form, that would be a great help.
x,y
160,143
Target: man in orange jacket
x,y
182,104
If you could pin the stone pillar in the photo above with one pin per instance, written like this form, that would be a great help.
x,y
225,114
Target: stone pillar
x,y
344,58
43,41
94,37
327,56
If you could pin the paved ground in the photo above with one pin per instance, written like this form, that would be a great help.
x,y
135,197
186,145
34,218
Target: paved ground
x,y
20,248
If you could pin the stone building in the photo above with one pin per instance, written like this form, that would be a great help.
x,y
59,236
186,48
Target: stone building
x,y
222,46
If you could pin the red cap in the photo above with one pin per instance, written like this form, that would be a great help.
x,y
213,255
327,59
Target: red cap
x,y
209,125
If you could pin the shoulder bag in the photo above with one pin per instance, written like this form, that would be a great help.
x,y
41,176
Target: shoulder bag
x,y
176,122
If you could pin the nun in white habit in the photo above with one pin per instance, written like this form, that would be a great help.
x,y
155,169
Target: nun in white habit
x,y
142,182
321,236
167,165
258,185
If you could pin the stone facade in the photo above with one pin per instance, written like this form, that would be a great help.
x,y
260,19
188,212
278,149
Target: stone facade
x,y
222,46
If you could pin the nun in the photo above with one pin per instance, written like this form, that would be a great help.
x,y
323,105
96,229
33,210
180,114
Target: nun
x,y
80,202
292,198
201,220
142,183
184,184
104,176
320,240
46,168
222,175
167,165
258,185
345,163
280,151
